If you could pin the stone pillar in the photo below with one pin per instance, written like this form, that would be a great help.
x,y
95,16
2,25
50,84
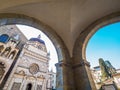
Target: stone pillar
x,y
82,76
59,77
64,76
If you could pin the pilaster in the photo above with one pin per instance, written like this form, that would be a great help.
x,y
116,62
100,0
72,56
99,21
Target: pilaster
x,y
82,76
64,78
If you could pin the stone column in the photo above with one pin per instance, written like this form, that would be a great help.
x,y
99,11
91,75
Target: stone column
x,y
82,76
64,79
59,76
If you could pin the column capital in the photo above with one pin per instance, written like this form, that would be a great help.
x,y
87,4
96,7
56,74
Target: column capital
x,y
61,63
80,64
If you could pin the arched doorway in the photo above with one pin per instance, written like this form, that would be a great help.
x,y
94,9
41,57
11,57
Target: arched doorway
x,y
29,86
79,52
63,55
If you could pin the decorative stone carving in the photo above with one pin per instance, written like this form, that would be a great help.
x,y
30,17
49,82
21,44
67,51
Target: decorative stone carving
x,y
16,86
34,68
39,87
21,72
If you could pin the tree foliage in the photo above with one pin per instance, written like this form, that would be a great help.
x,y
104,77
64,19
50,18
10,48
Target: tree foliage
x,y
104,71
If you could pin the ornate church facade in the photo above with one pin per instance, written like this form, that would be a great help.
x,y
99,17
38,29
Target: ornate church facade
x,y
31,69
26,67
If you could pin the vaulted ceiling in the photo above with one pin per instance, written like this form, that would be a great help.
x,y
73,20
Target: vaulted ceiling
x,y
67,17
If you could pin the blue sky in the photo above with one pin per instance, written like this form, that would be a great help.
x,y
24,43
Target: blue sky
x,y
105,43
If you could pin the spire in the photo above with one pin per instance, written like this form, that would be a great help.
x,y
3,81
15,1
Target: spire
x,y
39,36
16,37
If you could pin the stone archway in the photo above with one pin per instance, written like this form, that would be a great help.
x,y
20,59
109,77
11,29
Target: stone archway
x,y
64,61
83,79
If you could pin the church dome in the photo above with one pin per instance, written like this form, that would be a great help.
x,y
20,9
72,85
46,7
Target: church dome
x,y
4,38
38,40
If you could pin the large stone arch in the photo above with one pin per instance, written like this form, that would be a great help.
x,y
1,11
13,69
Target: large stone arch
x,y
81,66
65,72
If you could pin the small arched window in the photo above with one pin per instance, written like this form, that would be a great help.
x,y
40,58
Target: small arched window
x,y
4,38
12,54
6,52
1,48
